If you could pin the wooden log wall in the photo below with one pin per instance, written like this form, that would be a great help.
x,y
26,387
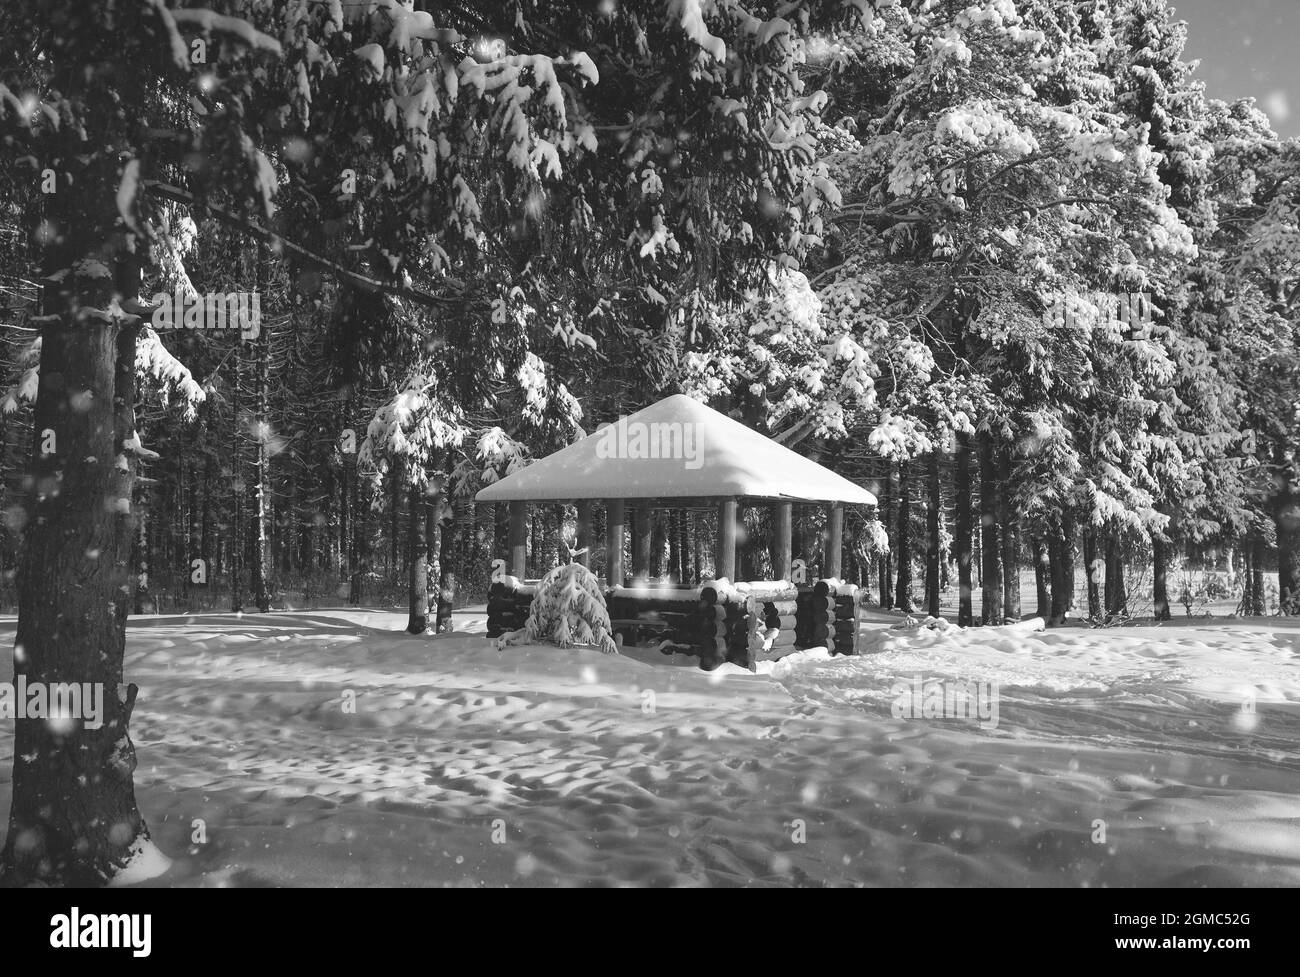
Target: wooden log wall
x,y
509,601
741,623
828,616
771,621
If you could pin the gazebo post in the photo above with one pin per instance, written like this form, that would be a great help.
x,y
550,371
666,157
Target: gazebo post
x,y
614,522
725,563
642,533
518,539
834,539
584,532
784,540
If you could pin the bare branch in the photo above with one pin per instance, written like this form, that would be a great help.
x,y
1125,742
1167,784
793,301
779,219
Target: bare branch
x,y
344,275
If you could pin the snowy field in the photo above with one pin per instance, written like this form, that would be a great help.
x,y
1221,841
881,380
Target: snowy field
x,y
465,765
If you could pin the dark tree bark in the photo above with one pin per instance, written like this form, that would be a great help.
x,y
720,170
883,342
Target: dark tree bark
x,y
194,530
658,540
1010,540
261,585
500,530
1160,574
1069,555
237,489
683,546
1115,594
806,539
1247,597
1057,564
991,556
551,524
699,522
1258,553
886,559
359,544
205,541
142,558
446,570
933,543
416,565
344,508
1092,570
1042,564
962,501
1286,518
535,519
184,490
432,540
674,546
394,522
903,586
73,820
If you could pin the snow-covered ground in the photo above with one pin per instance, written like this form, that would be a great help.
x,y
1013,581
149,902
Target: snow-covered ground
x,y
465,765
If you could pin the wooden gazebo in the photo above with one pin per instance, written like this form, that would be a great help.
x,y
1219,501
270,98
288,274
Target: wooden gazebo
x,y
698,454
677,452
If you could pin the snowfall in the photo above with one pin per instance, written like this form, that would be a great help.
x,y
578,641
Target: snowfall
x,y
329,748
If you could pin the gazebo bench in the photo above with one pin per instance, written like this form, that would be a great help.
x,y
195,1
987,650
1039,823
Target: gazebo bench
x,y
637,625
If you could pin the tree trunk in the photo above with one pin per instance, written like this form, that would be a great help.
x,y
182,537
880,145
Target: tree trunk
x,y
261,585
991,571
933,542
674,546
359,546
962,492
446,570
394,521
142,558
416,566
1116,598
205,530
886,564
1092,570
1041,565
345,504
1010,540
195,527
1057,560
658,539
1160,573
1286,517
903,585
1069,557
698,542
73,819
1257,555
684,547
807,536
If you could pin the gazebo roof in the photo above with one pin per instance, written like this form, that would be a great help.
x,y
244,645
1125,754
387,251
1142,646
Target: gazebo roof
x,y
676,448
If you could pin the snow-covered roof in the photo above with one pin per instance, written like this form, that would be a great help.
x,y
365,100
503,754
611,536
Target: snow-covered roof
x,y
676,448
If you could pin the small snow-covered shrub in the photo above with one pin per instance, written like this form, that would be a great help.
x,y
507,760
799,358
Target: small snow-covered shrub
x,y
568,609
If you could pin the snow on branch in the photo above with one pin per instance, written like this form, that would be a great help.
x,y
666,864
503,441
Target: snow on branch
x,y
416,425
211,22
166,376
